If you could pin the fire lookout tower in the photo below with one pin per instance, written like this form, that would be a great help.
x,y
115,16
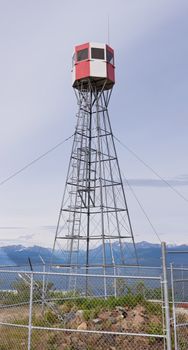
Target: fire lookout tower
x,y
94,223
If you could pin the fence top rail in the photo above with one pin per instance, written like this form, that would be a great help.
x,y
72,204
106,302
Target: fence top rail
x,y
181,280
177,251
108,266
179,268
38,273
143,267
119,266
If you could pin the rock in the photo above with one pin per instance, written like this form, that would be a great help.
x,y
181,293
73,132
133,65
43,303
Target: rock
x,y
82,326
97,321
115,313
79,318
105,315
116,327
113,320
124,325
138,320
70,316
79,313
122,310
119,318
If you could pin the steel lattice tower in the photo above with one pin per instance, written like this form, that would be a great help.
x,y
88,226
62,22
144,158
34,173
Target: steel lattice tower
x,y
94,217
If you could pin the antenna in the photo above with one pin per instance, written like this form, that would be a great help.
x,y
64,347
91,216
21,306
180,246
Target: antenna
x,y
108,29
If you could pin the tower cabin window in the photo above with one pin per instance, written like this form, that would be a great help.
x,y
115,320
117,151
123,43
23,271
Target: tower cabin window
x,y
109,56
82,55
97,53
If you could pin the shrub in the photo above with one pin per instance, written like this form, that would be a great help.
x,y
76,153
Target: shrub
x,y
51,317
154,328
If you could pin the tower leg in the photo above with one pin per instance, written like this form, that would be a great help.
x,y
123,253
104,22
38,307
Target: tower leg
x,y
94,224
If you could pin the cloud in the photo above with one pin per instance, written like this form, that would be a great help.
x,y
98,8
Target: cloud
x,y
26,237
175,182
12,228
48,227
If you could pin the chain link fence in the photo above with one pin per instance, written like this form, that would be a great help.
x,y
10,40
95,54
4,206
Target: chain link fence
x,y
179,287
110,312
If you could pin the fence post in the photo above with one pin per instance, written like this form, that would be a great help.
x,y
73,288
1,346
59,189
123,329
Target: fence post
x,y
43,282
173,308
166,298
183,284
30,313
43,287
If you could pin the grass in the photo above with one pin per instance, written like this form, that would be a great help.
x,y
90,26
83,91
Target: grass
x,y
130,300
10,336
154,328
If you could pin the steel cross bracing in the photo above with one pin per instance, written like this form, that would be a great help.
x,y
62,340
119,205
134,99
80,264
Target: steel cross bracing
x,y
94,217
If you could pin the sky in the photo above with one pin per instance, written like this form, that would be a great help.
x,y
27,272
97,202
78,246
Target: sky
x,y
148,109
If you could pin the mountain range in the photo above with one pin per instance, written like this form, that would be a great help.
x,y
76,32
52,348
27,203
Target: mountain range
x,y
149,254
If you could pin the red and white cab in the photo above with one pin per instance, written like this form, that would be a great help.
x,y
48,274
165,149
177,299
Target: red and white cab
x,y
93,62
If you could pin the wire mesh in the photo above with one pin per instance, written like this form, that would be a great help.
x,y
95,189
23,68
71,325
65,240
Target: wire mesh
x,y
180,283
118,311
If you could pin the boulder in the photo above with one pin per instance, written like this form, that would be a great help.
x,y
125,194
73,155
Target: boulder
x,y
97,321
82,326
104,315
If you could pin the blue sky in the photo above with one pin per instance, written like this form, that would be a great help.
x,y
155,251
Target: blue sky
x,y
148,108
